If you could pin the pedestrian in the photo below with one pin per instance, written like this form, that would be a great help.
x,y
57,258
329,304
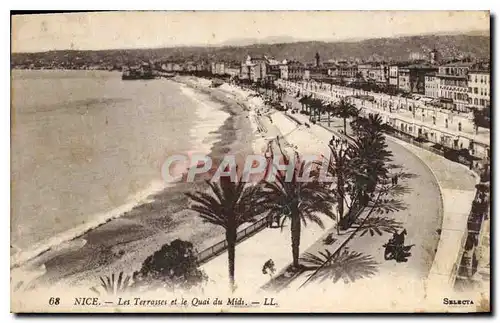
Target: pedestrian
x,y
330,143
396,179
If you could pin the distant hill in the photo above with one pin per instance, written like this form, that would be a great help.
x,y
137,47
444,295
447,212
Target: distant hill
x,y
252,41
386,49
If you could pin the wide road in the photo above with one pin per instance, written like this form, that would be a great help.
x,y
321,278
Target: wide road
x,y
422,219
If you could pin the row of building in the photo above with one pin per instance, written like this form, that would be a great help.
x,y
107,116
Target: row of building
x,y
457,86
408,116
460,86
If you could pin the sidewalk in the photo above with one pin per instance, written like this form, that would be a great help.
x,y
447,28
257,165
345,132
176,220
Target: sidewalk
x,y
270,243
251,254
282,280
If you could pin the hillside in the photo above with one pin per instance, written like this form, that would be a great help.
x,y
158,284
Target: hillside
x,y
387,49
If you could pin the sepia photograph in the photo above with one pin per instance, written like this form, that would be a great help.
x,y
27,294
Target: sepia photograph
x,y
250,162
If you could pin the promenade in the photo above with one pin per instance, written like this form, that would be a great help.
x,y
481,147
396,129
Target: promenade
x,y
269,243
436,220
422,218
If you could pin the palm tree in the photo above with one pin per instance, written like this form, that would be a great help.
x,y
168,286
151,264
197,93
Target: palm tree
x,y
291,198
306,101
316,106
339,167
369,161
112,286
344,110
302,102
330,109
231,204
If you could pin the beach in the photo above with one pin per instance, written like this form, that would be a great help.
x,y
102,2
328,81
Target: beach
x,y
122,242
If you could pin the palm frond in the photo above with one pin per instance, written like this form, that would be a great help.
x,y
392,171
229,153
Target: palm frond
x,y
378,225
114,285
346,265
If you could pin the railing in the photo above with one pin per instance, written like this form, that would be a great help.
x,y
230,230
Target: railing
x,y
410,139
221,246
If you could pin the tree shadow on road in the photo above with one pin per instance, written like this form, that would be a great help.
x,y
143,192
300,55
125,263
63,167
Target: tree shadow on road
x,y
347,266
377,225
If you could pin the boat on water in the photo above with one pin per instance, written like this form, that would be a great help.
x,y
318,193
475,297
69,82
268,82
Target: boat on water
x,y
166,74
142,72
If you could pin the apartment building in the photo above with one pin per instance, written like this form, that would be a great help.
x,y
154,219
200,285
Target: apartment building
x,y
411,78
479,88
347,70
453,86
253,68
394,76
374,72
404,79
291,70
431,86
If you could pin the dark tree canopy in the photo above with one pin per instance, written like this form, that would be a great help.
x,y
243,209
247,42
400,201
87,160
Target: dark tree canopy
x,y
174,266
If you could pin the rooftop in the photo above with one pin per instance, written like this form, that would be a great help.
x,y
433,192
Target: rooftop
x,y
422,66
452,76
459,64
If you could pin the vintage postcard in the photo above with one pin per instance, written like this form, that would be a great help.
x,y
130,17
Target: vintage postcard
x,y
251,162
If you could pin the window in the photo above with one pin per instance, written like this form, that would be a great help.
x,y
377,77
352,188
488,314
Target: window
x,y
446,123
475,101
475,90
434,120
459,126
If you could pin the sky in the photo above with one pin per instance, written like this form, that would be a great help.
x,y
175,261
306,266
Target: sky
x,y
112,30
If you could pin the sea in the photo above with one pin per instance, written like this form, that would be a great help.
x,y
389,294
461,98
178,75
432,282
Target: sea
x,y
87,146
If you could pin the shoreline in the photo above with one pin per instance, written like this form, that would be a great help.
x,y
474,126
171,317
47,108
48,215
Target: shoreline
x,y
94,251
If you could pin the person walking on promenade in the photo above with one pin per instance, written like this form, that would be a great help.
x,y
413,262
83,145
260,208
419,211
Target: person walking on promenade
x,y
330,143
